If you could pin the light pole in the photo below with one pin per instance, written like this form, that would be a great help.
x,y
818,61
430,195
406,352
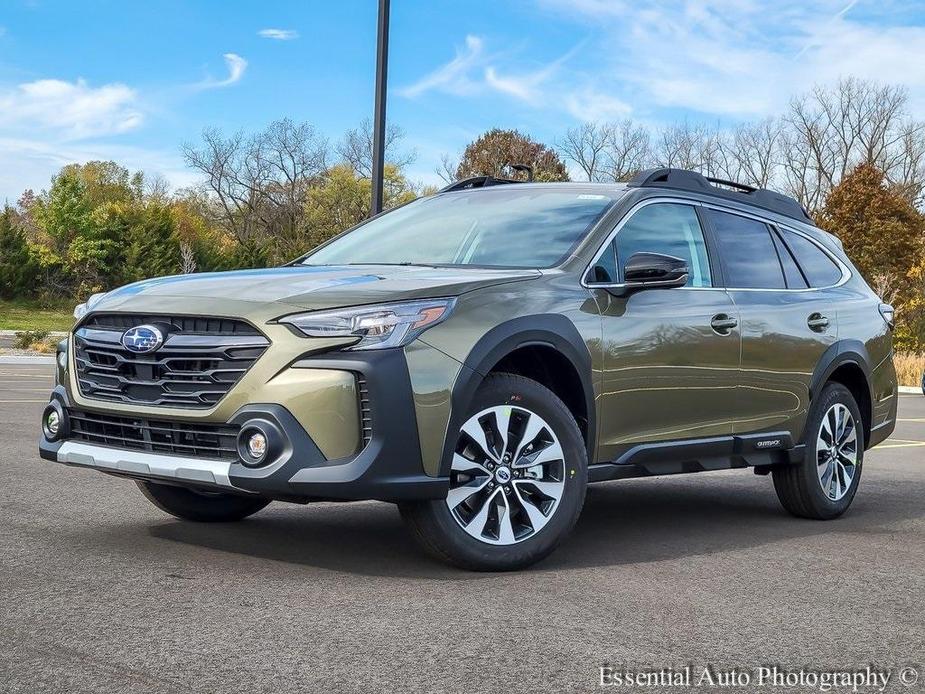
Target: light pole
x,y
382,67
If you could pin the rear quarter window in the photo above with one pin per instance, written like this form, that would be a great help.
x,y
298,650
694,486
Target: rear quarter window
x,y
820,270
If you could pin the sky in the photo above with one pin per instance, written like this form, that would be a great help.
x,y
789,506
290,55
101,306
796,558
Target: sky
x,y
132,81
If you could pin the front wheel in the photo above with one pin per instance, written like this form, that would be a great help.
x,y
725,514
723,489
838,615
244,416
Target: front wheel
x,y
517,480
824,484
205,507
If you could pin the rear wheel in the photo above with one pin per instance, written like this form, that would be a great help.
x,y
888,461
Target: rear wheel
x,y
824,484
517,480
202,506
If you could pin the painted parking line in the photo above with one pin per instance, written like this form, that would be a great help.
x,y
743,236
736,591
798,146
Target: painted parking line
x,y
19,402
917,420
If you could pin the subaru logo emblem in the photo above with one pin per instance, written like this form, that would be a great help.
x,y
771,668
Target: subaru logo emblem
x,y
142,339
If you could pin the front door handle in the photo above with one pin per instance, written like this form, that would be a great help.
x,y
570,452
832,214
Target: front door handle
x,y
723,323
817,322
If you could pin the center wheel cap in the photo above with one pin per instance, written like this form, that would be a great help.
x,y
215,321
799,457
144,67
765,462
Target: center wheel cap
x,y
503,475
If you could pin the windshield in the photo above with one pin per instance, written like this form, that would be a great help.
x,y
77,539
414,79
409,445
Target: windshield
x,y
511,226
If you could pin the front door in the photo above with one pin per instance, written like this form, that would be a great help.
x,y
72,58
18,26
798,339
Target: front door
x,y
671,356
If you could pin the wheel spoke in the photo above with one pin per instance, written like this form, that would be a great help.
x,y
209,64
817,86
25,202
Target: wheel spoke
x,y
532,429
502,424
826,431
459,494
548,454
469,467
476,525
537,519
505,528
550,489
473,428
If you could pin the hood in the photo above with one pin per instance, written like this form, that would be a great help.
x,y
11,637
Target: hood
x,y
315,287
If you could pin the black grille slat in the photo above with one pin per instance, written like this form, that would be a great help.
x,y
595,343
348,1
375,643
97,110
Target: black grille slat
x,y
200,361
187,324
156,436
366,421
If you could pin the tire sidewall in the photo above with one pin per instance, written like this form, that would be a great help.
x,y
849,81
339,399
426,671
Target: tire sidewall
x,y
524,393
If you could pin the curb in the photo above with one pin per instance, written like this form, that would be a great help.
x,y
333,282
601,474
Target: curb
x,y
26,360
51,333
910,389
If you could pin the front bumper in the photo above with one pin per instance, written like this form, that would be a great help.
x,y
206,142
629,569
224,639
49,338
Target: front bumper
x,y
388,468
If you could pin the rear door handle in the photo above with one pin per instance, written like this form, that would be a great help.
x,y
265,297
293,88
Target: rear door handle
x,y
817,322
723,323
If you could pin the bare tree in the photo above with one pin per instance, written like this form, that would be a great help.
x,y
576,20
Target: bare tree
x,y
259,183
628,150
755,152
608,151
447,169
356,148
187,258
586,146
831,130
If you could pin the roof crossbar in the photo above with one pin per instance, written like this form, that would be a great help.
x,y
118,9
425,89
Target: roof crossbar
x,y
692,181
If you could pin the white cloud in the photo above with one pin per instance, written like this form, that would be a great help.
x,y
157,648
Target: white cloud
x,y
453,77
73,110
279,34
738,58
588,104
236,66
30,163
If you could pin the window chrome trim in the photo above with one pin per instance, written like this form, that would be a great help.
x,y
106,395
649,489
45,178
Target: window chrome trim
x,y
845,270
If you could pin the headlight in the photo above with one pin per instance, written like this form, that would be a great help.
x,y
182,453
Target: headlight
x,y
377,327
81,309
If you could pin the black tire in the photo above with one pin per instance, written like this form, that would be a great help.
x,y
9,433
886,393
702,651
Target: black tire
x,y
203,507
798,486
434,526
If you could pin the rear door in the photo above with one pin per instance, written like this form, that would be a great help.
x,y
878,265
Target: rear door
x,y
786,323
671,356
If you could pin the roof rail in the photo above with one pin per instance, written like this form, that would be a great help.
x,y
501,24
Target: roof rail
x,y
476,182
691,180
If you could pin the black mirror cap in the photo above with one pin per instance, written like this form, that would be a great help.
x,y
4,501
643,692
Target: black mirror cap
x,y
644,270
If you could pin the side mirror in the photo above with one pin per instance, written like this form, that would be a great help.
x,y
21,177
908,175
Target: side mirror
x,y
654,270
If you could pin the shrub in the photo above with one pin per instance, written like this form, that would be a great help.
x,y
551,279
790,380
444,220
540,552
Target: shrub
x,y
909,367
27,338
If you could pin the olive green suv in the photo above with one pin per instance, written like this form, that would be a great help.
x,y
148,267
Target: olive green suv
x,y
480,355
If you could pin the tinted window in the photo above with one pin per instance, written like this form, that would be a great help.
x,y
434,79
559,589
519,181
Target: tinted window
x,y
819,268
664,228
792,274
511,226
749,257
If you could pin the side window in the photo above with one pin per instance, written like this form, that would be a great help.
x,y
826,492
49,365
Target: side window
x,y
792,274
666,228
749,257
819,268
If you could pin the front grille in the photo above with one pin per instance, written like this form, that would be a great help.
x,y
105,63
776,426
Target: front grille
x,y
155,436
200,360
366,419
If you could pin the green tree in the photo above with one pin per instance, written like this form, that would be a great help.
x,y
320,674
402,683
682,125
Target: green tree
x,y
883,235
341,201
18,269
493,153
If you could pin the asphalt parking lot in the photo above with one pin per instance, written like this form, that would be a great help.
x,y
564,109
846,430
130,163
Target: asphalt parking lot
x,y
100,592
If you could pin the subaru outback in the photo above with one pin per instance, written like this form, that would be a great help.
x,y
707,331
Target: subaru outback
x,y
480,355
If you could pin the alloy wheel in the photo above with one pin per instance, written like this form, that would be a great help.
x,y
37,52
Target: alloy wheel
x,y
837,451
507,476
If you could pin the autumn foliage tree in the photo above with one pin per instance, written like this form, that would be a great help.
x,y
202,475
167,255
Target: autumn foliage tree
x,y
493,153
884,235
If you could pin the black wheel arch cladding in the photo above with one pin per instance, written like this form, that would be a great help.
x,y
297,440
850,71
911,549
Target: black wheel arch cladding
x,y
550,330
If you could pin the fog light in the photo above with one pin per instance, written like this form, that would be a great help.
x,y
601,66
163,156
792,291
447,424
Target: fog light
x,y
52,423
257,445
